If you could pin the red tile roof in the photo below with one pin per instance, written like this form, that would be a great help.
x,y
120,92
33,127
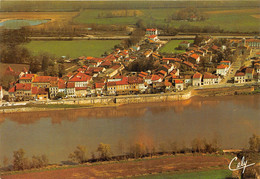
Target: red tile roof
x,y
27,76
222,66
34,90
99,85
80,77
134,80
178,81
12,89
42,91
23,86
195,56
209,76
70,85
61,84
172,59
155,77
197,75
44,79
249,70
151,30
240,74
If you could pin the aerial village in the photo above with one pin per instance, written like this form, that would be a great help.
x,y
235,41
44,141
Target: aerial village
x,y
107,75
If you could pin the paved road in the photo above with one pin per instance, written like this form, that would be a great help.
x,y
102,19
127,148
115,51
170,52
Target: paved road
x,y
232,71
126,37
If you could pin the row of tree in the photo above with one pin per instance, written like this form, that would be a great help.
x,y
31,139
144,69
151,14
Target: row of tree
x,y
21,162
137,150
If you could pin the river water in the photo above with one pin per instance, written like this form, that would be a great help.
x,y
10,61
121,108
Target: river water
x,y
231,120
18,23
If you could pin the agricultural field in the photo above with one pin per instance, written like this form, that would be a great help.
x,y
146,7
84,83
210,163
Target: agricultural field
x,y
72,49
170,46
140,167
220,173
236,20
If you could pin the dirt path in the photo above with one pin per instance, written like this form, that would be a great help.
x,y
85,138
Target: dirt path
x,y
131,168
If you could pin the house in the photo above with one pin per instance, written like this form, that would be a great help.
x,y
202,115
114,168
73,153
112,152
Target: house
x,y
53,89
136,84
80,80
178,84
196,79
100,88
114,70
239,77
228,63
188,80
249,74
151,32
43,81
11,93
27,78
40,93
156,78
153,38
70,90
168,85
210,79
148,53
81,91
254,43
111,88
257,67
194,58
23,91
222,69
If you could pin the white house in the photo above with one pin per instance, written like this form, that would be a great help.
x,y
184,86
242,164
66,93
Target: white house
x,y
222,69
179,85
151,32
210,79
239,77
196,80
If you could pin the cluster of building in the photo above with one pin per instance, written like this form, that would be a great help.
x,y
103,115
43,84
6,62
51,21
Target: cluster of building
x,y
106,75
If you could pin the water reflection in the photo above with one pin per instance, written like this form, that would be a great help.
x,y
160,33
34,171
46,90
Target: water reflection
x,y
231,120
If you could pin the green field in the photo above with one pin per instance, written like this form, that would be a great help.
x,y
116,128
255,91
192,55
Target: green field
x,y
212,174
231,19
170,46
73,49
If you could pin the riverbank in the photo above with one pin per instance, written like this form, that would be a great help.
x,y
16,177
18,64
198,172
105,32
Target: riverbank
x,y
175,164
114,101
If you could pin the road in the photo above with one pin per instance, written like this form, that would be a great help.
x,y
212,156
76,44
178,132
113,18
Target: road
x,y
177,37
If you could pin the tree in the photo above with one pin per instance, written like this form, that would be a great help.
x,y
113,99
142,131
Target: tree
x,y
138,150
140,24
254,143
104,151
60,95
79,155
197,145
39,161
45,63
20,162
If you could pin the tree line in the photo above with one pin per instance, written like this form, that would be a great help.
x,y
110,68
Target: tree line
x,y
136,150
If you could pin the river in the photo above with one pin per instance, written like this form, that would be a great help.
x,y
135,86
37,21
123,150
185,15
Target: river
x,y
230,119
